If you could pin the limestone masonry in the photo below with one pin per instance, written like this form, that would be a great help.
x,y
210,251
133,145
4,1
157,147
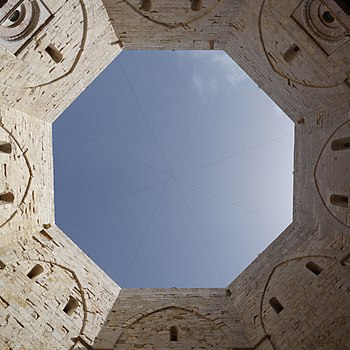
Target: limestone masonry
x,y
295,295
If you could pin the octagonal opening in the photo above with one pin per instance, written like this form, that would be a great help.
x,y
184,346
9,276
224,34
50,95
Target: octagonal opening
x,y
173,169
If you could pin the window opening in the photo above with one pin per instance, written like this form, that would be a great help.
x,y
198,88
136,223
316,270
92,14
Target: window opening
x,y
291,53
5,148
314,268
45,235
328,17
71,306
196,5
339,200
15,16
7,197
276,305
35,271
174,334
54,53
146,5
341,144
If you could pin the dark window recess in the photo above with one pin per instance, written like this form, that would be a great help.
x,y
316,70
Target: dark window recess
x,y
196,5
45,235
339,200
345,5
174,334
146,5
71,306
54,53
341,144
15,16
35,271
314,268
5,148
291,53
328,17
276,305
7,197
2,265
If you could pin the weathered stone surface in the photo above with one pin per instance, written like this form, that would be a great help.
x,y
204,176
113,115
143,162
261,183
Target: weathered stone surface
x,y
295,295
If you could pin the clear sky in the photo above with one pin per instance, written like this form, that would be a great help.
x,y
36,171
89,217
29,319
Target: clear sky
x,y
173,169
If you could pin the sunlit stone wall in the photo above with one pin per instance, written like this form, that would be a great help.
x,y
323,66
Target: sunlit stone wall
x,y
295,295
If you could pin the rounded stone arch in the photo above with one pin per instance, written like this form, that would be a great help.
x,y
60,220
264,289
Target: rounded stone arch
x,y
331,174
302,25
297,293
161,321
15,165
51,60
61,298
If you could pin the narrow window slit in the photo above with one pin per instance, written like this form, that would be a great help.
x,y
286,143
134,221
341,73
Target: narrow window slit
x,y
339,200
4,303
328,17
71,306
7,197
35,271
45,235
174,334
5,147
196,5
291,53
314,268
54,53
341,144
276,305
146,5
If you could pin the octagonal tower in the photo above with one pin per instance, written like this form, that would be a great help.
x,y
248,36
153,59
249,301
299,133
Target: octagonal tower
x,y
295,295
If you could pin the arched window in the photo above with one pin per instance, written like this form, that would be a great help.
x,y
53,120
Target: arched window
x,y
314,268
174,334
71,306
341,144
291,53
55,55
196,5
276,305
7,197
146,5
35,271
5,147
339,200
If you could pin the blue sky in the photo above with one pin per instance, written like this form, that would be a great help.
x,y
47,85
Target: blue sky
x,y
173,169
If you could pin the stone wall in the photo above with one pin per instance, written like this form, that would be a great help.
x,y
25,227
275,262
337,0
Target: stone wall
x,y
295,295
75,43
147,318
52,296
